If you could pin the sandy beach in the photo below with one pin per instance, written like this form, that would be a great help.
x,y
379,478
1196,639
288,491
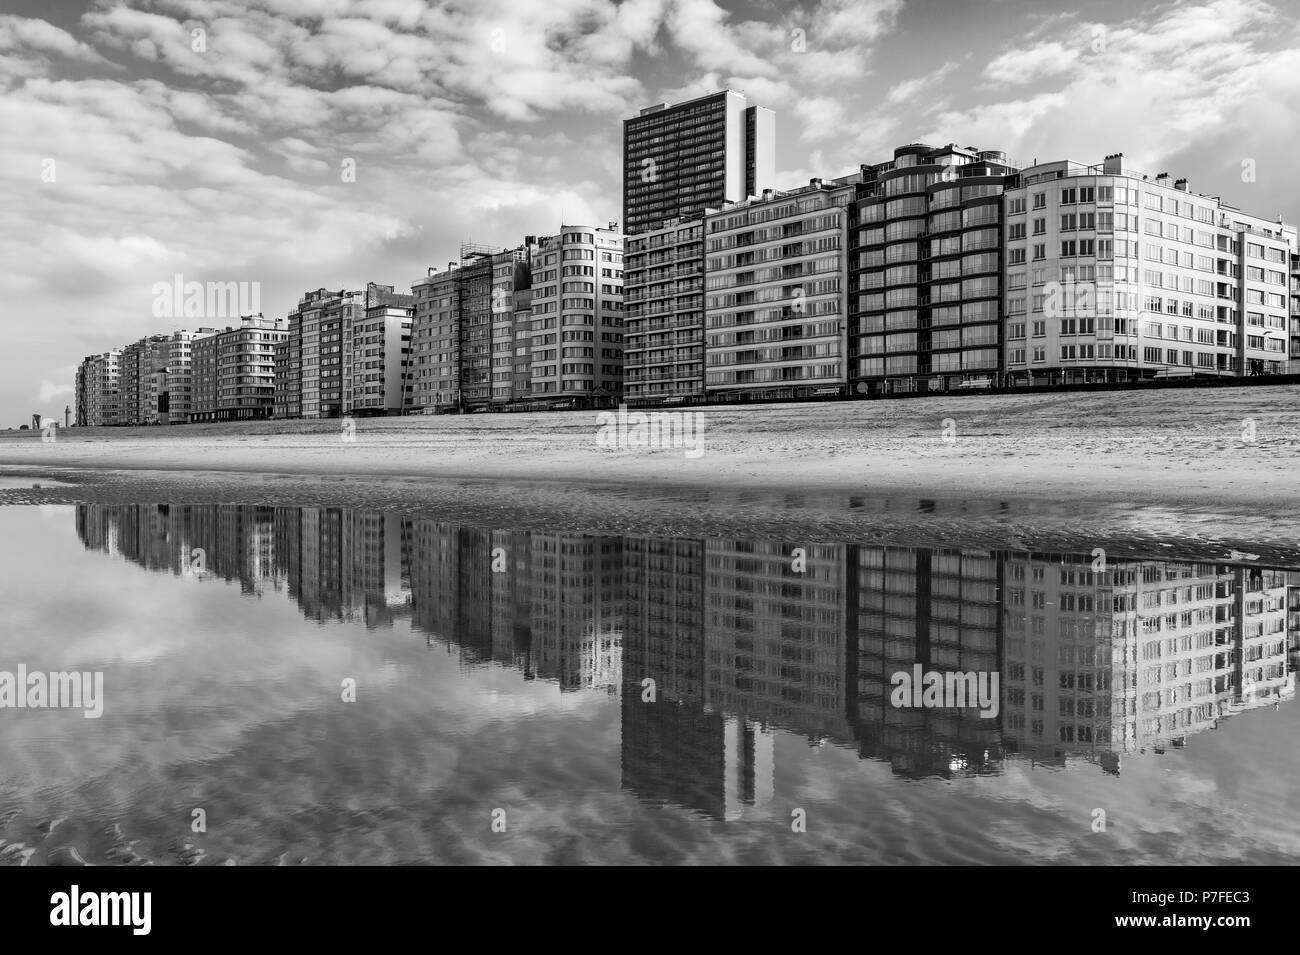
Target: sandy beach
x,y
1142,469
1170,447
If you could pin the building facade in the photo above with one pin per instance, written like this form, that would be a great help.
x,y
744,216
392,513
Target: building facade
x,y
925,300
233,370
99,399
323,317
774,302
663,334
576,346
173,386
1294,366
288,366
376,353
682,159
1116,276
471,331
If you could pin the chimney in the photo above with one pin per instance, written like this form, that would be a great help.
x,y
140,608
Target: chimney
x,y
1113,165
1180,184
815,182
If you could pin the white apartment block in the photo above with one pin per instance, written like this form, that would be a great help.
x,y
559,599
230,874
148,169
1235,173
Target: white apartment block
x,y
1115,276
774,302
376,351
576,347
178,378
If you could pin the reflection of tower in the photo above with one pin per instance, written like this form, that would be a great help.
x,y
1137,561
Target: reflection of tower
x,y
775,633
937,608
672,749
750,767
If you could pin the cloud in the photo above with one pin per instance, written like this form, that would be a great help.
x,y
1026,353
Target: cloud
x,y
1016,67
141,156
39,36
49,391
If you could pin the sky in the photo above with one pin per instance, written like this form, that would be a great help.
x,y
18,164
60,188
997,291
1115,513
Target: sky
x,y
301,144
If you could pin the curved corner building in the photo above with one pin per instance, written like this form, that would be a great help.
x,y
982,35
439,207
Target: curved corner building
x,y
926,271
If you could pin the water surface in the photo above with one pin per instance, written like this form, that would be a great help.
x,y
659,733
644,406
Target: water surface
x,y
628,698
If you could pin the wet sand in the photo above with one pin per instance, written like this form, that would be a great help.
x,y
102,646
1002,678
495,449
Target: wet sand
x,y
1210,470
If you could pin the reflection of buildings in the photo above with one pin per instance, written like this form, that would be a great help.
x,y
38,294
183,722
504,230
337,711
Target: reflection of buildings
x,y
673,748
742,646
1141,654
939,609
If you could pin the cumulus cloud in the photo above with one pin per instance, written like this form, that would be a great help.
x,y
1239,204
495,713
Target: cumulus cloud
x,y
144,152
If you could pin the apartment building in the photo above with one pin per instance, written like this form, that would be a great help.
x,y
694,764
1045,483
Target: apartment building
x,y
682,159
775,279
471,331
138,383
663,334
376,352
511,325
99,399
1294,366
323,317
288,365
80,399
172,386
925,250
576,346
521,337
1116,276
435,343
233,371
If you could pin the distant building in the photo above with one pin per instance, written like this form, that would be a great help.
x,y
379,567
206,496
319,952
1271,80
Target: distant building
x,y
99,400
139,363
376,352
325,315
172,391
682,159
288,365
233,371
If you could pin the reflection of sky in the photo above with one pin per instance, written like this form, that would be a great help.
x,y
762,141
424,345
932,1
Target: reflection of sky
x,y
232,703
